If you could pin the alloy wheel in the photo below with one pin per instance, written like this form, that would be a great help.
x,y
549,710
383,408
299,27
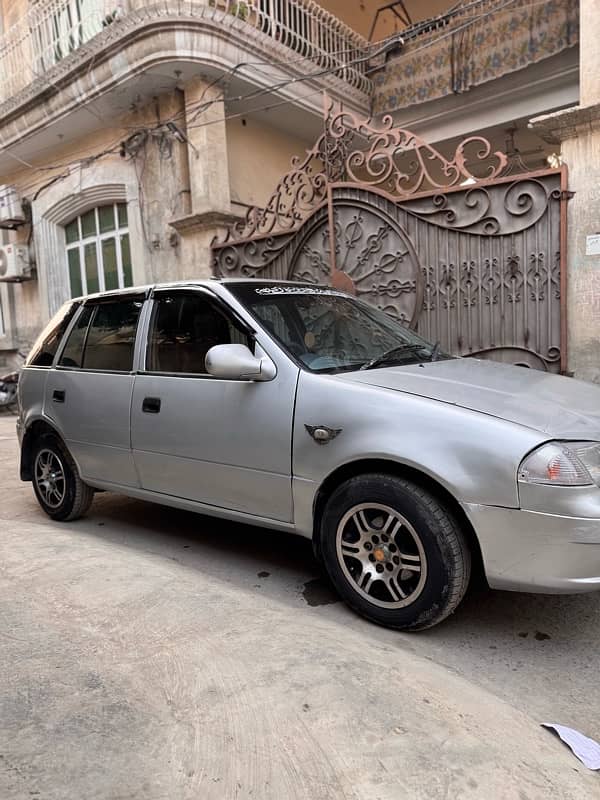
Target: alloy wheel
x,y
50,478
381,555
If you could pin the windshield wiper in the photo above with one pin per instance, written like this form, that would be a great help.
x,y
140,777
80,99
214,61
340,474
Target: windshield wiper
x,y
435,353
389,354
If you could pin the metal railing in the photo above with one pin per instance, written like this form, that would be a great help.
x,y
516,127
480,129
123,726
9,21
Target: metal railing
x,y
49,31
312,32
52,29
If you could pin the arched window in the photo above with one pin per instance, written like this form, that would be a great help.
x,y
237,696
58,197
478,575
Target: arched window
x,y
98,254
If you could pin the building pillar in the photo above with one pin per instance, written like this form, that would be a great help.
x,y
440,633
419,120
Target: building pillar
x,y
577,132
210,202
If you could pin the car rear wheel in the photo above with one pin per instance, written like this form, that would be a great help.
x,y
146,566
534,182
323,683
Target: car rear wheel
x,y
394,552
56,481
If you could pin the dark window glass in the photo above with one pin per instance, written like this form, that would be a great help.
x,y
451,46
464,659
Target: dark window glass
x,y
111,338
74,272
90,252
72,231
43,351
122,212
88,224
71,355
184,328
106,217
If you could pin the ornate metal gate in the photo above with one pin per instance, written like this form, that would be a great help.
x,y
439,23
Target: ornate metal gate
x,y
379,212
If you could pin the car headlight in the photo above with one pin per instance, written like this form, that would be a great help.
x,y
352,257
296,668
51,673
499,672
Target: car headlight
x,y
563,464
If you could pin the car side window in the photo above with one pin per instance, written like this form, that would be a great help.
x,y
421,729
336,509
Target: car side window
x,y
72,354
183,329
111,337
103,337
45,348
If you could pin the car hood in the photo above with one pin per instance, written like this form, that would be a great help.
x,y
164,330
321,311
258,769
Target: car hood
x,y
551,404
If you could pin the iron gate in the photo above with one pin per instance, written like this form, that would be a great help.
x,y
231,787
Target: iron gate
x,y
379,212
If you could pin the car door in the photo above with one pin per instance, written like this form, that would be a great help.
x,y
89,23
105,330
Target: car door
x,y
225,443
88,392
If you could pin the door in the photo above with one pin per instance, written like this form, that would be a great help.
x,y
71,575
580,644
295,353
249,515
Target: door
x,y
220,442
88,393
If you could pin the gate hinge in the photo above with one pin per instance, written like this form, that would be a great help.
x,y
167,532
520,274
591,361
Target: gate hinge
x,y
567,194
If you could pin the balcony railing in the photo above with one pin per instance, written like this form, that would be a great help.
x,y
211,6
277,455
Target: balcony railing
x,y
46,34
52,29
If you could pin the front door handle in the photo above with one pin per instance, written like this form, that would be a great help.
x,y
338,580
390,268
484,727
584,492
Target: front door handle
x,y
58,396
151,405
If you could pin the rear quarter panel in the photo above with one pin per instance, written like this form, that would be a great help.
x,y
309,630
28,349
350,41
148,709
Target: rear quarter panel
x,y
32,387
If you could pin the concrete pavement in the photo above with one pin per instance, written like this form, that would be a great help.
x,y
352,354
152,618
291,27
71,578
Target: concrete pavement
x,y
154,654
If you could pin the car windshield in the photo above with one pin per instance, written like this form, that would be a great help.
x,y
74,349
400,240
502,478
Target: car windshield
x,y
329,331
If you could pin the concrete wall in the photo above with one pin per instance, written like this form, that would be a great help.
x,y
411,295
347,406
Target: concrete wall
x,y
582,155
259,155
11,11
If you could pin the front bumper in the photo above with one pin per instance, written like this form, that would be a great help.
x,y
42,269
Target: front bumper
x,y
528,551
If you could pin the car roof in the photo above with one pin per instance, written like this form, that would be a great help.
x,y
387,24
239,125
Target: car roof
x,y
200,282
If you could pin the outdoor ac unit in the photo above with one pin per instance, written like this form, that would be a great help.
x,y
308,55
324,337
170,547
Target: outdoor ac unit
x,y
14,263
12,213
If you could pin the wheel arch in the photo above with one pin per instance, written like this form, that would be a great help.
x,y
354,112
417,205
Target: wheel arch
x,y
34,430
397,469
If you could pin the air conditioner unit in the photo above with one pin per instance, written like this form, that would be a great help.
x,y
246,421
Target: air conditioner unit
x,y
14,263
12,213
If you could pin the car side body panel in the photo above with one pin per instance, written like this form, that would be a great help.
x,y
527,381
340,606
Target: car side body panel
x,y
94,421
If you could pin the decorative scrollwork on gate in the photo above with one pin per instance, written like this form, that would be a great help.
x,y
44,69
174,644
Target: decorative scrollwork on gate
x,y
374,253
378,211
486,210
394,160
401,163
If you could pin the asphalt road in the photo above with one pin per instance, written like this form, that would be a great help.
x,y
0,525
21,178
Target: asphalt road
x,y
151,653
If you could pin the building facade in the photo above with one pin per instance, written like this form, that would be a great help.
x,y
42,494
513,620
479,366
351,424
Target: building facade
x,y
133,132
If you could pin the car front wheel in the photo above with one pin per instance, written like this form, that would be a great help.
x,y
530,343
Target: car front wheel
x,y
56,481
394,552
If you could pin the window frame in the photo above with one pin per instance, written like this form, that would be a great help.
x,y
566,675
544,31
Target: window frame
x,y
97,238
232,316
94,303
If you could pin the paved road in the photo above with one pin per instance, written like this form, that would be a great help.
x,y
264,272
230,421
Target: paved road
x,y
154,654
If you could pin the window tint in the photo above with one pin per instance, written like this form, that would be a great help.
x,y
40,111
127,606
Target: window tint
x,y
274,321
111,337
44,349
103,337
72,354
184,328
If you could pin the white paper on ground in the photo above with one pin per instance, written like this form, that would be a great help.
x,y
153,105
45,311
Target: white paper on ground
x,y
586,750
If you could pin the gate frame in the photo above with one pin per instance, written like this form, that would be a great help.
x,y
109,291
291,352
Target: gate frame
x,y
387,141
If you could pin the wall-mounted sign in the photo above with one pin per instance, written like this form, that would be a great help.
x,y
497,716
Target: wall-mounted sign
x,y
592,245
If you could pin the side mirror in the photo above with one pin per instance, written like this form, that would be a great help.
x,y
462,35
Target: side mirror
x,y
235,362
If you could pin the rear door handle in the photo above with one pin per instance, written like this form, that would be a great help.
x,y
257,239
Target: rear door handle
x,y
58,396
151,405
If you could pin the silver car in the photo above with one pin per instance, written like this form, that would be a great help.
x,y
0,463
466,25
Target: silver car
x,y
300,408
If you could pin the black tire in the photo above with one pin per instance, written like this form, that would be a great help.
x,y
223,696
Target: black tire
x,y
411,580
71,497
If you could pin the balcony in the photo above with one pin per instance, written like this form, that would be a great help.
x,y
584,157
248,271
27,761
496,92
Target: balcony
x,y
54,30
477,42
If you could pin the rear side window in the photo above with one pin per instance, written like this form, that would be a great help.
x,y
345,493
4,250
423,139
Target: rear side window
x,y
104,337
72,355
45,347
